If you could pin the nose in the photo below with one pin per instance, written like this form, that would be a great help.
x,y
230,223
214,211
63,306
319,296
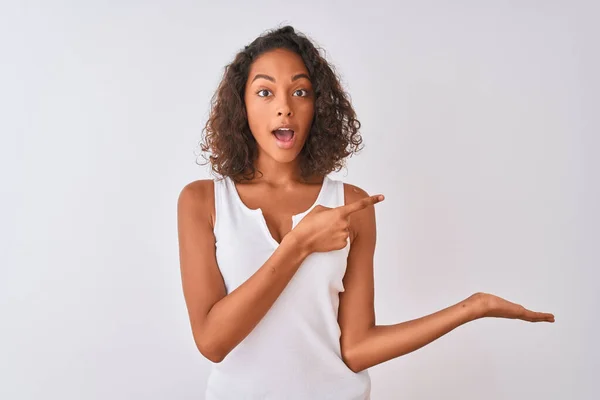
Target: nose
x,y
284,108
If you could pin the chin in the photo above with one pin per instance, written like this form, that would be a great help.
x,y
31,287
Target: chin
x,y
283,156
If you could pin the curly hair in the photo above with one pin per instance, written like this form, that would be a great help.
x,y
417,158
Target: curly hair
x,y
334,133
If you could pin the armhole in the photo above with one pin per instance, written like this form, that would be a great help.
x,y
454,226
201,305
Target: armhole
x,y
342,193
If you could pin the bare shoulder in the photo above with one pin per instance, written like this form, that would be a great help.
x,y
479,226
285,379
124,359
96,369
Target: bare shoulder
x,y
363,219
353,193
196,199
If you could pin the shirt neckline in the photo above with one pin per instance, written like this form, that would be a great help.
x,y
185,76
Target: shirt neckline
x,y
258,211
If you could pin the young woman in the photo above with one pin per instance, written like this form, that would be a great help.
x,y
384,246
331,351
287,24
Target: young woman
x,y
276,257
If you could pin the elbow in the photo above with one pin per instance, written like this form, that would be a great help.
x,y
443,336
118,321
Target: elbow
x,y
351,361
211,355
211,350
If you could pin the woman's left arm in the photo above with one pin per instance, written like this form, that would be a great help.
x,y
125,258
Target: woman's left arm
x,y
365,344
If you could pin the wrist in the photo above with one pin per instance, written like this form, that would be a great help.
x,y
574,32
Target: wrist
x,y
297,242
478,305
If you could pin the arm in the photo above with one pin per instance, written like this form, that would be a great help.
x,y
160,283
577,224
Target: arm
x,y
365,344
221,321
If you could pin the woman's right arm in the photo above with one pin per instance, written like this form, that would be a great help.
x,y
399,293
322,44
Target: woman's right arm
x,y
221,321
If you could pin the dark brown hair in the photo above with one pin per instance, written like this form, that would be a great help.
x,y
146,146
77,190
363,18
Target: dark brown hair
x,y
334,132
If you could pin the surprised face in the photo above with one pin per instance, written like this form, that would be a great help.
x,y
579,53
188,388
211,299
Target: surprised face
x,y
279,102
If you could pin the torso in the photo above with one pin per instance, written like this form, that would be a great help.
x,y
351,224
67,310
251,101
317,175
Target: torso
x,y
295,350
302,325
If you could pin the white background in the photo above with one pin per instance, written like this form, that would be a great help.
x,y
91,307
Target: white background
x,y
480,123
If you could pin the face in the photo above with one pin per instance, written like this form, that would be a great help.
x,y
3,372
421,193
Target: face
x,y
279,104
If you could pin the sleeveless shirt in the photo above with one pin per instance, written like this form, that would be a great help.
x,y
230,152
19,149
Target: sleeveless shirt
x,y
294,351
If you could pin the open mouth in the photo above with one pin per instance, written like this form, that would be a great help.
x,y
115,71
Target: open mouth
x,y
284,134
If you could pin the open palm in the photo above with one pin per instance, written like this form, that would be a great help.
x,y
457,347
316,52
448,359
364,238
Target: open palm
x,y
494,306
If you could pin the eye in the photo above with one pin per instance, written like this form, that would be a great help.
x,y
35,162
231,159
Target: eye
x,y
262,91
302,90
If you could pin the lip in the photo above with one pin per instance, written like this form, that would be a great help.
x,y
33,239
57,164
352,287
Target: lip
x,y
282,144
286,126
285,145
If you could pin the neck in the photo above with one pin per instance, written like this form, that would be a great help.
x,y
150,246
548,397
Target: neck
x,y
277,173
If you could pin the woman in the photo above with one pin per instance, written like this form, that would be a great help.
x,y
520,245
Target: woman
x,y
276,257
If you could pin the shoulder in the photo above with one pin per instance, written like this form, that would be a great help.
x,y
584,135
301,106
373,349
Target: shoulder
x,y
197,189
361,221
353,193
196,199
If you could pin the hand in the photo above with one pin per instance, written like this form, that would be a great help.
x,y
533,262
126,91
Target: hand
x,y
494,306
325,229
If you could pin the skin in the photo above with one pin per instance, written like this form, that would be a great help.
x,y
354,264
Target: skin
x,y
221,321
279,91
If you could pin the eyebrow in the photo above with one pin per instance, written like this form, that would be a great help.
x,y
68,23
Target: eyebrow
x,y
270,78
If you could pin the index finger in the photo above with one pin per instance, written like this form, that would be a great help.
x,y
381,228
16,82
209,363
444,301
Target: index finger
x,y
361,204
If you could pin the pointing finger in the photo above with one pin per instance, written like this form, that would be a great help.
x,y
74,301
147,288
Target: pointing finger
x,y
361,204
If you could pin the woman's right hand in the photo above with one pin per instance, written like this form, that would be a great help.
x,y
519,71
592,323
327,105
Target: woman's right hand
x,y
325,229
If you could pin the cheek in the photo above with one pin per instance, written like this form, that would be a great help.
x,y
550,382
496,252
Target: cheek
x,y
258,122
306,111
307,106
255,115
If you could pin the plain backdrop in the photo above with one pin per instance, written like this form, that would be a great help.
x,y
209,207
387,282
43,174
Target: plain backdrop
x,y
480,124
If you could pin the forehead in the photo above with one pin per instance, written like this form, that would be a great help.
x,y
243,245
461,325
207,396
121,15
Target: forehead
x,y
279,63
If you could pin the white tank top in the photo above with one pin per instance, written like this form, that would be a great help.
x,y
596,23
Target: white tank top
x,y
294,351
